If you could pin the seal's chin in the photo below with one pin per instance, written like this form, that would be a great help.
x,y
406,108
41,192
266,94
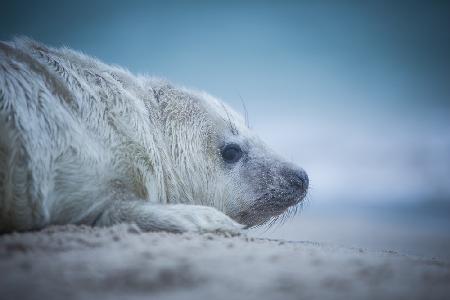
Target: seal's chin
x,y
268,207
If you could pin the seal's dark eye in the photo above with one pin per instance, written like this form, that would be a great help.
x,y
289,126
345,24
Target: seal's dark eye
x,y
231,153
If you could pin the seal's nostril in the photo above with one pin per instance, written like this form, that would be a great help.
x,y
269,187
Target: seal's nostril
x,y
305,179
296,177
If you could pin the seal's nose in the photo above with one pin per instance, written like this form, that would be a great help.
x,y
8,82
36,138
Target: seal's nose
x,y
297,177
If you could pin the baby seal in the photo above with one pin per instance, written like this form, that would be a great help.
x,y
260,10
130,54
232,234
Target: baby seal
x,y
83,142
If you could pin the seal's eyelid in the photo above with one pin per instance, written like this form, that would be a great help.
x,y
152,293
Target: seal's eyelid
x,y
231,153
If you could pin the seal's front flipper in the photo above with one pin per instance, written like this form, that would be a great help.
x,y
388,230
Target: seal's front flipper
x,y
169,217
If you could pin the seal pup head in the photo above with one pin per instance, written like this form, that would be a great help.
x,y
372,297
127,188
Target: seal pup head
x,y
218,161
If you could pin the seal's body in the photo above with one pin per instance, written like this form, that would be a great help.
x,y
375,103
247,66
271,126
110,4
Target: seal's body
x,y
86,143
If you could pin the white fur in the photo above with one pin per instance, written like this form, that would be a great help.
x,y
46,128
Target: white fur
x,y
82,140
85,142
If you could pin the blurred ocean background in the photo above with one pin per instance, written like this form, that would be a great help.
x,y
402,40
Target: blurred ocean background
x,y
356,92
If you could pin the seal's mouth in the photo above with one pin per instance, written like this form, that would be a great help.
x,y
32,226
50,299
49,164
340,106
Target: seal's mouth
x,y
275,188
276,198
270,205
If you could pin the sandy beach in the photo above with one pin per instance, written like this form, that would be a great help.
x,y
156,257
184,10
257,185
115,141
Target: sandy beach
x,y
122,262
